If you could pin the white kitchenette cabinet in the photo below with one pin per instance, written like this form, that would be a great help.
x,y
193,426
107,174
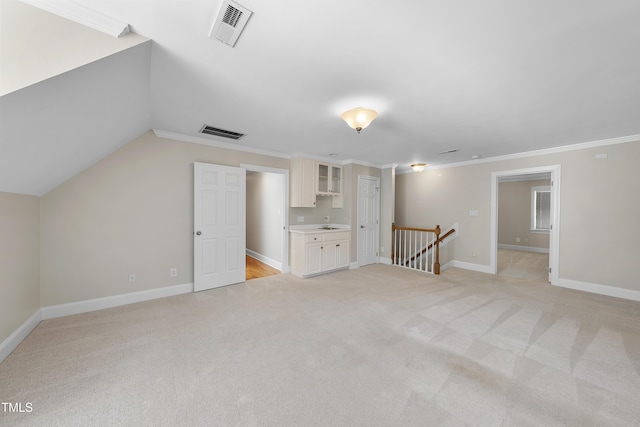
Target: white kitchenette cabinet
x,y
329,179
303,183
317,251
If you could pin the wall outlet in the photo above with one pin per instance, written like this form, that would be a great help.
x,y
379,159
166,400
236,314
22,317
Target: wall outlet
x,y
382,249
132,277
474,213
173,272
517,240
300,219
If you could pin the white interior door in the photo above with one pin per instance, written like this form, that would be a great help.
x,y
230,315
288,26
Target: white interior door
x,y
219,234
368,219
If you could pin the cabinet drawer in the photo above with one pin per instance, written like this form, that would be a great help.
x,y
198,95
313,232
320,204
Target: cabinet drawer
x,y
316,237
340,235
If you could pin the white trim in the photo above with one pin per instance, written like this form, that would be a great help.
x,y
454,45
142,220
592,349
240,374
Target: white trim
x,y
269,261
361,163
354,265
384,260
554,241
82,15
218,144
524,248
284,265
595,288
467,266
12,341
86,306
542,152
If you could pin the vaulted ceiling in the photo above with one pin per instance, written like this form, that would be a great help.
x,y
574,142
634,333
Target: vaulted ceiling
x,y
485,78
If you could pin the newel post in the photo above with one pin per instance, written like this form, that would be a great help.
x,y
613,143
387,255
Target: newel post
x,y
436,265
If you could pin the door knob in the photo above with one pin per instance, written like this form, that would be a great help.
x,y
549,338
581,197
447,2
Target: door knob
x,y
198,233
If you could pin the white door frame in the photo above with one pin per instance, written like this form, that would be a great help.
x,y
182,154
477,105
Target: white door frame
x,y
377,217
554,233
285,208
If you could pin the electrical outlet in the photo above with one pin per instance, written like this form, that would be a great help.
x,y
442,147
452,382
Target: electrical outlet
x,y
173,272
132,277
517,240
382,249
300,219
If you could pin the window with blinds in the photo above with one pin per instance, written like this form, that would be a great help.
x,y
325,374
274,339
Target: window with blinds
x,y
540,208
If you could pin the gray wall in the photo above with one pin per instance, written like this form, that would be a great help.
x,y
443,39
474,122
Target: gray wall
x,y
599,210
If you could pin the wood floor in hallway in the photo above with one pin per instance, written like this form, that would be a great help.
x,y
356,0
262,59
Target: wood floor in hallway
x,y
257,269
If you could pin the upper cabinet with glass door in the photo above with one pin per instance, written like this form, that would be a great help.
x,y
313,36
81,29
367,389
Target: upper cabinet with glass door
x,y
329,179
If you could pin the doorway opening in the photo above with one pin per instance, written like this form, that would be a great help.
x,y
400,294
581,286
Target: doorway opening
x,y
267,248
524,223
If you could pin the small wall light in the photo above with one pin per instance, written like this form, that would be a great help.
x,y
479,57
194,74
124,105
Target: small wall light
x,y
418,167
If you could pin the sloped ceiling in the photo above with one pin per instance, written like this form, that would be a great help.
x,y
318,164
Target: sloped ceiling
x,y
487,78
89,96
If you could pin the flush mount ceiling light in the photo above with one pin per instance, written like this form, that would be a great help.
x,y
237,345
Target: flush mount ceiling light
x,y
418,167
359,118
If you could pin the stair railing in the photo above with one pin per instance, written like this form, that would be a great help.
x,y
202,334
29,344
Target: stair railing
x,y
412,248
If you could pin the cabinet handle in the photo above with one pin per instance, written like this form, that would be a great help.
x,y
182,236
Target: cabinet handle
x,y
337,245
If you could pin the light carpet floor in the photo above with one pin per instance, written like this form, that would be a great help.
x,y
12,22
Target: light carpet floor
x,y
523,264
375,346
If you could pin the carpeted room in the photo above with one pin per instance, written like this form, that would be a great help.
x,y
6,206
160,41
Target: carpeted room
x,y
97,146
379,345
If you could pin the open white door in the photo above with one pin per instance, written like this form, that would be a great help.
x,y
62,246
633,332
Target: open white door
x,y
219,234
368,219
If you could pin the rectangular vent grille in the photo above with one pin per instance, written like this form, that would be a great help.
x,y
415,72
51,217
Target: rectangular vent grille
x,y
449,151
210,130
232,16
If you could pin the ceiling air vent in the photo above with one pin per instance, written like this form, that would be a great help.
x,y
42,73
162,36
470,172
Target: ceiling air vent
x,y
230,22
210,130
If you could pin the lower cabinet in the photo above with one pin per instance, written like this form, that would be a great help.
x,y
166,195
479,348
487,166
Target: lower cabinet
x,y
319,253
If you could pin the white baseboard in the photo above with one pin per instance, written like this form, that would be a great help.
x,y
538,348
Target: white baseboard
x,y
595,288
14,340
384,260
86,306
354,265
524,248
269,261
467,266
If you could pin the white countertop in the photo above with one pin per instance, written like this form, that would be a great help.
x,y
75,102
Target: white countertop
x,y
318,228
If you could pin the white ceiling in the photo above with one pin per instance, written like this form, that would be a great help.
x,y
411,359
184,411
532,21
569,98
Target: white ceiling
x,y
489,78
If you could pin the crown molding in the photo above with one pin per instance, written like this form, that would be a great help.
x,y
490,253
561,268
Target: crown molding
x,y
82,15
218,144
542,152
